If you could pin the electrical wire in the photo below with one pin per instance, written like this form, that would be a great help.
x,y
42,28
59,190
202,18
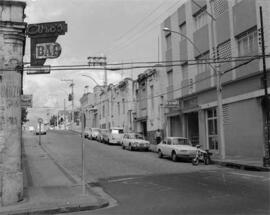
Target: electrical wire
x,y
177,89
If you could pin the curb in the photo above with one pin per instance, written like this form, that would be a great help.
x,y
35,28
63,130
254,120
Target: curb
x,y
241,166
58,209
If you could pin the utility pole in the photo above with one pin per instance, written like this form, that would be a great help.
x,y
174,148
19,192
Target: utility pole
x,y
218,73
266,100
72,99
65,114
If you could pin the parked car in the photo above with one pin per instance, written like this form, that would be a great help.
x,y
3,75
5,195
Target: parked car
x,y
135,141
93,133
114,136
102,135
86,132
176,147
40,129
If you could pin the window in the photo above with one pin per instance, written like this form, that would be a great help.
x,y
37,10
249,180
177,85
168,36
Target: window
x,y
247,43
118,107
200,18
202,63
124,107
161,106
185,71
152,97
170,77
169,41
103,111
212,129
183,30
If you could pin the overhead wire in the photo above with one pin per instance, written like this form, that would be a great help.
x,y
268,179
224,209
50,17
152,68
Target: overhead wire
x,y
143,31
183,87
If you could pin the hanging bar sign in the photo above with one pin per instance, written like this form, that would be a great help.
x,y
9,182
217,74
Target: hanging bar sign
x,y
48,50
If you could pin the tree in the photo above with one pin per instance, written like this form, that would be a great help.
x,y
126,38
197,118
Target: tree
x,y
24,115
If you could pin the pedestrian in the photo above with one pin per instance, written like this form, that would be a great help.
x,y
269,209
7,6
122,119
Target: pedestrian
x,y
158,136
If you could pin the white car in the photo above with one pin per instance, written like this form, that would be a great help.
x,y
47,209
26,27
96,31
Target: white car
x,y
113,136
93,133
135,141
176,147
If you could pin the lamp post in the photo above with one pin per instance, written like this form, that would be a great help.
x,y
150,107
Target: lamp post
x,y
91,79
218,89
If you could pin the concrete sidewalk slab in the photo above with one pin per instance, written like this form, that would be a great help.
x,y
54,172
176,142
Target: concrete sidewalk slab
x,y
50,189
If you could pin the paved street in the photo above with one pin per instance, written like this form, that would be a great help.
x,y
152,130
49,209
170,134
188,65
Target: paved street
x,y
141,183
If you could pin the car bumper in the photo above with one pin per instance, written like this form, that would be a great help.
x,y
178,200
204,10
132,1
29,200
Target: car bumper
x,y
186,156
115,142
140,147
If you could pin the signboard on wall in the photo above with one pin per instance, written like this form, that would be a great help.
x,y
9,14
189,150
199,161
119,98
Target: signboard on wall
x,y
26,101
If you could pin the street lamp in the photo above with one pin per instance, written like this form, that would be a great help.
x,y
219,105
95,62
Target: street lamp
x,y
219,94
91,79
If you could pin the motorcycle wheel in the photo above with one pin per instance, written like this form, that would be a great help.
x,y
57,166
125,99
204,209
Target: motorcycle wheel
x,y
195,161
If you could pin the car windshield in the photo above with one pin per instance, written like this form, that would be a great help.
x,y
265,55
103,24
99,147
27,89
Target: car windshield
x,y
136,136
180,141
117,131
95,129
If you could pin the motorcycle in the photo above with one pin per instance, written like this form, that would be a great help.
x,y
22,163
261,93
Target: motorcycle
x,y
201,156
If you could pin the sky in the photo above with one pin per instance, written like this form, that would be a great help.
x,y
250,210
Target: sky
x,y
122,30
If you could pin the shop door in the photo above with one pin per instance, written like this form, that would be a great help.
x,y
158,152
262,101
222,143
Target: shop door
x,y
175,126
193,127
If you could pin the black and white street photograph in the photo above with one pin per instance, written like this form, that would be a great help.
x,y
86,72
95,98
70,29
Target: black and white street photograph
x,y
134,107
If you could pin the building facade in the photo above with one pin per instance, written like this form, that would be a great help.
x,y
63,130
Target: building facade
x,y
206,31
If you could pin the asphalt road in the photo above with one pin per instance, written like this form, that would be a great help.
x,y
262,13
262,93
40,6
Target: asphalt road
x,y
141,183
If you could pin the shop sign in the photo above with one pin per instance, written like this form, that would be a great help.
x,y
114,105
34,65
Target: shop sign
x,y
47,29
26,101
43,41
48,50
173,104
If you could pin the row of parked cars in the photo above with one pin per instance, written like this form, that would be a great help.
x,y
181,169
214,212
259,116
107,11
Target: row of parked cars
x,y
172,147
116,136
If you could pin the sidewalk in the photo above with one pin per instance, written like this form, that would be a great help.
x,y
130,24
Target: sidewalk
x,y
245,164
50,188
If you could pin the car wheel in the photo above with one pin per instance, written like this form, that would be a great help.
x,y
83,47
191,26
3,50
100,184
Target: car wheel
x,y
160,155
123,146
174,157
130,147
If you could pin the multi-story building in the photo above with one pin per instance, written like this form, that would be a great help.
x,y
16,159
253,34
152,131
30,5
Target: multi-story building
x,y
87,107
155,103
140,88
196,34
122,105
